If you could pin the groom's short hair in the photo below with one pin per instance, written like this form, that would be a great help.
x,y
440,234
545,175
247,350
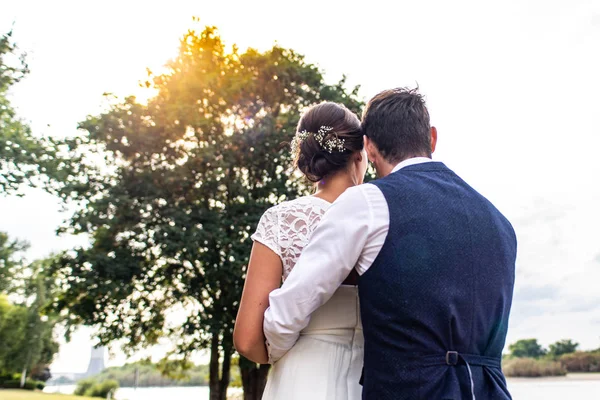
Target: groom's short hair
x,y
397,121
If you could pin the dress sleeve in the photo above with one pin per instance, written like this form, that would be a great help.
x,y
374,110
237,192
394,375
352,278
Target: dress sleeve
x,y
267,231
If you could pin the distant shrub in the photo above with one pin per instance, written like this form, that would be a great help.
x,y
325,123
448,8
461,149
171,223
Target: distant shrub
x,y
527,348
92,388
530,367
29,384
11,384
565,346
102,389
6,377
581,361
83,386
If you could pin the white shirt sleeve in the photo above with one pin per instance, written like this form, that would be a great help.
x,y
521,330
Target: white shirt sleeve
x,y
351,234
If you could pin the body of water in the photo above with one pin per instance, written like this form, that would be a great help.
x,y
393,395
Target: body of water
x,y
572,387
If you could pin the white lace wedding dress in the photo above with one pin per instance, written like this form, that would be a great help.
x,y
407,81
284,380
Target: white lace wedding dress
x,y
326,362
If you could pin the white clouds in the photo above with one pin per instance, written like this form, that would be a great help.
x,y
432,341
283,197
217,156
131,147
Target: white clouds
x,y
556,293
512,87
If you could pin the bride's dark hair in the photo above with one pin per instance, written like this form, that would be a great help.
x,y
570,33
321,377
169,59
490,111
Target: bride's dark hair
x,y
313,159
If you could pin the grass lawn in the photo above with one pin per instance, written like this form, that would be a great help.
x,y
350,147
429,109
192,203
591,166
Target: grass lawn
x,y
30,395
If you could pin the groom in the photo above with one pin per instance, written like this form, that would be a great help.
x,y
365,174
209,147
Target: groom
x,y
436,262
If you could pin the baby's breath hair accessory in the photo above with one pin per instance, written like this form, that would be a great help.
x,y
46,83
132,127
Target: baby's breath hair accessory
x,y
298,139
329,145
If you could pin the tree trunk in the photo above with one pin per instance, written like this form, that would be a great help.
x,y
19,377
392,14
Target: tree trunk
x,y
24,373
225,373
254,379
23,377
213,370
219,375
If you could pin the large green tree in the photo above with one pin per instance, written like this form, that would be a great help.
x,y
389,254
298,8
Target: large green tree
x,y
184,181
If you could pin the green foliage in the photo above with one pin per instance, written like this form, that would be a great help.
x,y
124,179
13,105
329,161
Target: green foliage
x,y
531,367
581,361
93,388
26,332
11,262
561,347
13,320
102,389
22,156
176,369
26,339
527,348
11,71
153,375
185,180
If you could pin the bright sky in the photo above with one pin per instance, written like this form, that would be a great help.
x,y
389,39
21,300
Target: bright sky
x,y
512,88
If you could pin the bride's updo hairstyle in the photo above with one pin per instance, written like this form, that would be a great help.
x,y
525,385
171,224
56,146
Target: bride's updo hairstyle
x,y
327,136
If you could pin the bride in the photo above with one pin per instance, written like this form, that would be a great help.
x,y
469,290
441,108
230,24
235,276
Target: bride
x,y
326,361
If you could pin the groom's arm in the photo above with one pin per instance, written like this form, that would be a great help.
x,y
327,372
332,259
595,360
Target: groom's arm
x,y
333,251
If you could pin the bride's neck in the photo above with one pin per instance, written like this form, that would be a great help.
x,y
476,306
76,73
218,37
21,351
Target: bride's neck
x,y
332,187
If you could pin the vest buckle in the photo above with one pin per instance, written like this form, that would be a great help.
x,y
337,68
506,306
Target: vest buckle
x,y
452,357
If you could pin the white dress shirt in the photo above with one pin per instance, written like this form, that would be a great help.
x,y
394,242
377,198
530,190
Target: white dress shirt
x,y
350,235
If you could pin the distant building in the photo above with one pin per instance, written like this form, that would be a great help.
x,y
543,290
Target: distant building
x,y
96,364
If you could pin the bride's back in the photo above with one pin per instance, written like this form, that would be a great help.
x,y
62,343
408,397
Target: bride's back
x,y
326,362
286,228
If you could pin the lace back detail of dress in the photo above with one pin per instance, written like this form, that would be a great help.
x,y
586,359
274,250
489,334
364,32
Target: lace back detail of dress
x,y
287,228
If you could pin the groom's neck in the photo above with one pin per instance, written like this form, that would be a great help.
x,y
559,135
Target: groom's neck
x,y
384,167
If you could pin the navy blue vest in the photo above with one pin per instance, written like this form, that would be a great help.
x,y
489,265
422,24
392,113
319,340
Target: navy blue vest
x,y
435,303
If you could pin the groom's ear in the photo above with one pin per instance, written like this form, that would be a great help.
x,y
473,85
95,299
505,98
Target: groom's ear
x,y
433,138
370,148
